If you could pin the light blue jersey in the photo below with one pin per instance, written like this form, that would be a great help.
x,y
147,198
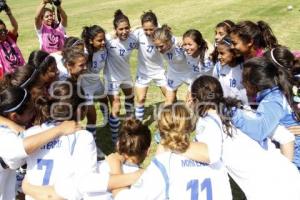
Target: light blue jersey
x,y
273,110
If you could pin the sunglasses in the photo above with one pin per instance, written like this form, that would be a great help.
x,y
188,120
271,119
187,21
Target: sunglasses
x,y
3,31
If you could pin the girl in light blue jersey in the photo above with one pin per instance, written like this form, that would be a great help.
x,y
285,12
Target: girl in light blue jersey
x,y
273,89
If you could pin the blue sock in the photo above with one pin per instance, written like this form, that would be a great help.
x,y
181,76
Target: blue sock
x,y
114,123
139,112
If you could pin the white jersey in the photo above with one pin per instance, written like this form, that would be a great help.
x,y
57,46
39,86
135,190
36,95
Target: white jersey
x,y
61,157
177,61
172,176
118,68
231,81
13,154
198,68
103,168
261,174
63,72
150,63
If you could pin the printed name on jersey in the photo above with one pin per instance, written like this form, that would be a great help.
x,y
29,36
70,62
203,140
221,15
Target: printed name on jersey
x,y
53,144
192,163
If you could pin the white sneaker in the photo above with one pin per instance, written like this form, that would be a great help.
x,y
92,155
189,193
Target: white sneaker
x,y
100,154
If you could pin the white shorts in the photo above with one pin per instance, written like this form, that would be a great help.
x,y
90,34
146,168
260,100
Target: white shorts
x,y
175,81
93,89
144,81
113,87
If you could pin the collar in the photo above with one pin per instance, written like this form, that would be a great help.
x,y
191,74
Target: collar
x,y
262,94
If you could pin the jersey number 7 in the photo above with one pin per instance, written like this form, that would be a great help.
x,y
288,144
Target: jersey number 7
x,y
48,165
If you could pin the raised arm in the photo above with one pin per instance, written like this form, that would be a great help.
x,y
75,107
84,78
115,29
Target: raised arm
x,y
39,13
13,21
63,16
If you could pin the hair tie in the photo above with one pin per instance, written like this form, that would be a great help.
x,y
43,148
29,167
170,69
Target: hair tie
x,y
19,104
76,43
227,24
23,85
273,58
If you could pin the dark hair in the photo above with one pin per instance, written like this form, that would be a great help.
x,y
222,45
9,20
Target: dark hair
x,y
226,24
149,16
196,36
25,77
119,17
283,57
41,61
263,74
207,93
163,33
226,42
72,41
62,104
88,34
134,139
14,99
259,33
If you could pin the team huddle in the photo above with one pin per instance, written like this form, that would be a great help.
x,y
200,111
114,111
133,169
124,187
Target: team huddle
x,y
242,101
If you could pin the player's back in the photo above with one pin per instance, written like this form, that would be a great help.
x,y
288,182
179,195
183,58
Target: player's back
x,y
189,179
172,176
60,157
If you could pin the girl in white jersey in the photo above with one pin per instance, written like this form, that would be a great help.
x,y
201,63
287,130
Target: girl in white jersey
x,y
71,42
196,53
229,71
171,175
117,72
73,155
15,105
132,148
150,63
94,41
178,70
260,174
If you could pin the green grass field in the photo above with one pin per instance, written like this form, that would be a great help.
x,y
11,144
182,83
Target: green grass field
x,y
179,14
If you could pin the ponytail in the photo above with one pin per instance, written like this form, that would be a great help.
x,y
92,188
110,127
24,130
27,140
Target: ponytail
x,y
268,38
119,17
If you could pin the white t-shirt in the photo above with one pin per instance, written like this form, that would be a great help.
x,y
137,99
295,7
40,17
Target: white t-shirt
x,y
172,176
118,68
197,68
62,157
13,153
150,63
231,81
261,174
63,72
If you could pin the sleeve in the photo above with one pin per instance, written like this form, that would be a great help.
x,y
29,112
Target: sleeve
x,y
216,70
12,150
282,135
211,135
262,124
93,182
149,186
